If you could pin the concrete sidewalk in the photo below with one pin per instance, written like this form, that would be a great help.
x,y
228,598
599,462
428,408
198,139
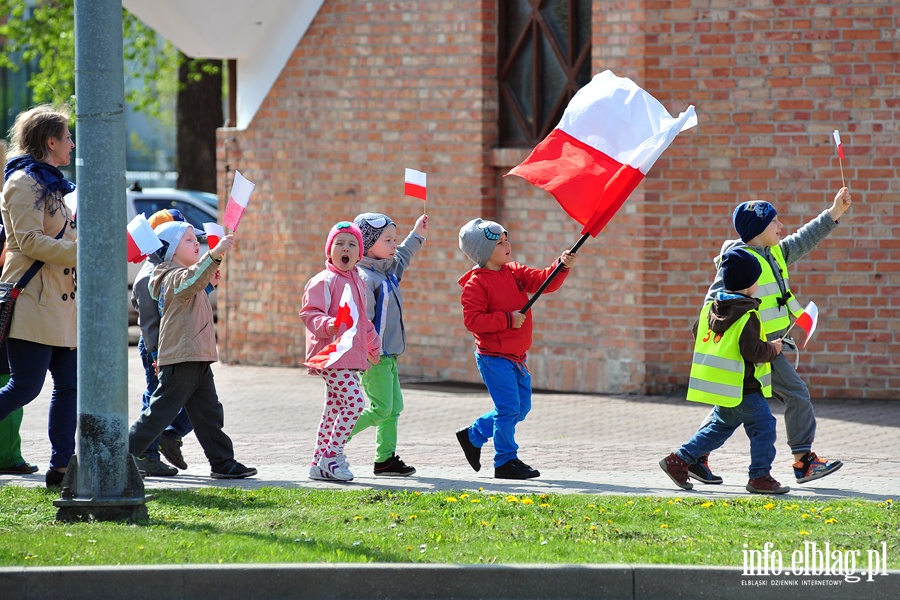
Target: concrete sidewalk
x,y
594,444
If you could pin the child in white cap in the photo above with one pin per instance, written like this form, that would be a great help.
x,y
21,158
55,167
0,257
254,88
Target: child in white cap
x,y
187,340
340,341
493,293
382,267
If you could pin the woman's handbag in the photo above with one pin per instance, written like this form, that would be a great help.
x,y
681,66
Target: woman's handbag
x,y
10,291
8,295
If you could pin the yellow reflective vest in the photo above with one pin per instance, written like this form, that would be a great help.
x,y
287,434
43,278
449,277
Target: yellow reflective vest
x,y
717,370
774,304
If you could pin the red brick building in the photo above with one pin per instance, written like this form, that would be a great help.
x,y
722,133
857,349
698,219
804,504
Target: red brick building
x,y
374,87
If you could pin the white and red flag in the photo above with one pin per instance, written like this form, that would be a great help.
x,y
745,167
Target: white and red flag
x,y
142,240
807,321
237,201
609,136
214,233
348,314
414,184
837,142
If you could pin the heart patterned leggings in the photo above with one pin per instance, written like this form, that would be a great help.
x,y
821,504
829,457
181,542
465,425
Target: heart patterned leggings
x,y
344,401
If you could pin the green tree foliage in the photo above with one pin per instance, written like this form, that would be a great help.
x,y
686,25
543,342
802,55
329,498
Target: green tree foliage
x,y
45,32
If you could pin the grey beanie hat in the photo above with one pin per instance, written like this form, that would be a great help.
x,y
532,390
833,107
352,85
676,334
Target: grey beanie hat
x,y
372,225
170,235
478,238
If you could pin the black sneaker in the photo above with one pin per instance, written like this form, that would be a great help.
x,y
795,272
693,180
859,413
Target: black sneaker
x,y
170,447
53,478
515,469
701,472
473,453
154,467
233,470
393,467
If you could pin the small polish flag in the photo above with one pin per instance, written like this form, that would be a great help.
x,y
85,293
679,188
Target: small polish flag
x,y
214,233
807,321
415,184
141,239
237,201
609,136
837,142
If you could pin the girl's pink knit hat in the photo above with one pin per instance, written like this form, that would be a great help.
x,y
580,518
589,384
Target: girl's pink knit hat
x,y
343,227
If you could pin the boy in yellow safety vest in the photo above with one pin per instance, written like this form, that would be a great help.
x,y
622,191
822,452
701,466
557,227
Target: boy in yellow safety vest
x,y
760,230
731,370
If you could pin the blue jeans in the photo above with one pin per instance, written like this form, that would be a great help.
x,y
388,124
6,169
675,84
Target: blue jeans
x,y
29,363
181,425
509,384
755,415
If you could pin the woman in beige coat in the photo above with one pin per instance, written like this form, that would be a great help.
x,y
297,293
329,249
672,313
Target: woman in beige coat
x,y
40,227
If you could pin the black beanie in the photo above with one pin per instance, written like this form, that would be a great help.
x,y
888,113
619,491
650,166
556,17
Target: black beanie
x,y
740,269
751,218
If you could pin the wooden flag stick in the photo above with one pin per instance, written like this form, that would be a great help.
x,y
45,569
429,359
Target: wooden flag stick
x,y
842,172
789,329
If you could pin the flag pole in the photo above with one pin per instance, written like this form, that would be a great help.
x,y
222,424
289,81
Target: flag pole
x,y
841,162
789,329
553,274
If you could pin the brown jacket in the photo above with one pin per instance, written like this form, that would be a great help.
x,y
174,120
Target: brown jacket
x,y
186,330
45,312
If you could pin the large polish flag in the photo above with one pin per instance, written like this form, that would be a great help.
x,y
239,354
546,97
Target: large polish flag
x,y
610,135
414,184
142,240
348,314
238,200
808,320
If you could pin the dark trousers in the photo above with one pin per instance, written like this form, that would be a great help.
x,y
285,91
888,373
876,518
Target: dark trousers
x,y
28,364
181,425
187,385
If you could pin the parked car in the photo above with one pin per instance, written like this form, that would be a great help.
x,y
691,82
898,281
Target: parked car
x,y
197,207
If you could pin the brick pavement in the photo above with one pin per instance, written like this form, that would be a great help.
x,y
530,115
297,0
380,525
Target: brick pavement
x,y
581,443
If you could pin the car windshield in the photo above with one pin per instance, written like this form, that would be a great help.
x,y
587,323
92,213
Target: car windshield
x,y
194,214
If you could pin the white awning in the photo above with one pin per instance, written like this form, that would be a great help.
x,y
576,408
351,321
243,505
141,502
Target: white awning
x,y
261,35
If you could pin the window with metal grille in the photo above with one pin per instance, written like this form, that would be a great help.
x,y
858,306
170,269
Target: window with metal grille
x,y
544,58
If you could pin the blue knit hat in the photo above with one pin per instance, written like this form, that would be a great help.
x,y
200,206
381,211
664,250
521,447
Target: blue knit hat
x,y
740,269
751,218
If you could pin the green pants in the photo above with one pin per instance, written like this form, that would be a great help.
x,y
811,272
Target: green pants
x,y
381,383
10,441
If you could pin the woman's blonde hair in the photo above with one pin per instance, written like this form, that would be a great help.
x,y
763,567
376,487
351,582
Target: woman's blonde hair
x,y
33,127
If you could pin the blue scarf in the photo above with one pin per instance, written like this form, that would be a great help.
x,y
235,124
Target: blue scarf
x,y
49,179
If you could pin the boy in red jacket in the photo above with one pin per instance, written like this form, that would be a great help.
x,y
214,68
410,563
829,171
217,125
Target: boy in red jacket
x,y
493,294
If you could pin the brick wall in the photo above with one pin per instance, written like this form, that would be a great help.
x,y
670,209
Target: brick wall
x,y
376,87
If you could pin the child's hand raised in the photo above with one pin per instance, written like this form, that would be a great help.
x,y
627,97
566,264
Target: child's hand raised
x,y
842,202
225,244
568,259
421,227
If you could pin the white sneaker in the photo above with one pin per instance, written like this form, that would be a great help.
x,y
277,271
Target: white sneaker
x,y
345,464
332,468
318,474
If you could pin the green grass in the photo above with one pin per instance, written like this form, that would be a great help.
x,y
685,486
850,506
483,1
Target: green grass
x,y
272,525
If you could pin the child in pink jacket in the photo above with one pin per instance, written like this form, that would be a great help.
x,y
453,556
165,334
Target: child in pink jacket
x,y
340,341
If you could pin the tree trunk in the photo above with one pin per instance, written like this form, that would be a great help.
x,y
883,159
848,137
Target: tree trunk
x,y
198,114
